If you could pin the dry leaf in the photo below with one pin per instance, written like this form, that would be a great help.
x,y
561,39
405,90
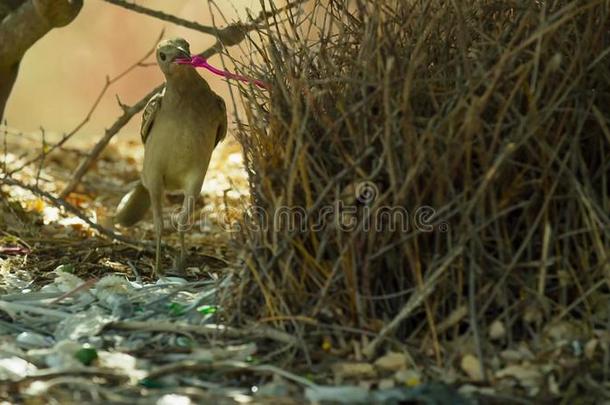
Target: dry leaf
x,y
553,385
353,370
472,367
563,332
497,330
77,199
410,378
392,361
532,314
527,375
386,383
37,205
327,344
590,348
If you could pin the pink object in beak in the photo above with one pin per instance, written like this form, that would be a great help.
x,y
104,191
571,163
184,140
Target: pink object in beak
x,y
198,61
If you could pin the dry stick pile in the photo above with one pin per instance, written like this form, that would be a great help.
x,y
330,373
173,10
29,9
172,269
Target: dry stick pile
x,y
486,122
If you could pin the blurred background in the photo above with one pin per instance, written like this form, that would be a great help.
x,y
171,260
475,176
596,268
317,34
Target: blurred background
x,y
63,73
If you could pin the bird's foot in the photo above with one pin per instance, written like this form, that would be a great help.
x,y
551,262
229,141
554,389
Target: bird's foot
x,y
157,272
178,269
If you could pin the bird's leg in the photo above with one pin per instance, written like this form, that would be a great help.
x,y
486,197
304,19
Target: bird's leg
x,y
184,224
182,259
156,198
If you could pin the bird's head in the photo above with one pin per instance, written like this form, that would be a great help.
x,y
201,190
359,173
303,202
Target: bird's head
x,y
168,51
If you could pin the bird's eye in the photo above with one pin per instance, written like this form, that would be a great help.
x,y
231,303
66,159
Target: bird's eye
x,y
162,56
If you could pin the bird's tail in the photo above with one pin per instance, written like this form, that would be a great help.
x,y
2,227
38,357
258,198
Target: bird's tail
x,y
133,206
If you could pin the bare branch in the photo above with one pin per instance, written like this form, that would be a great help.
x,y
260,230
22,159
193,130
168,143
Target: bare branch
x,y
59,202
163,16
109,83
128,113
228,36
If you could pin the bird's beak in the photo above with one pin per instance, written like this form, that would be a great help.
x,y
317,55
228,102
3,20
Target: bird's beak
x,y
183,53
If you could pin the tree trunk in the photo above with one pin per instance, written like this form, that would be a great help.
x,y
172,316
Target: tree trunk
x,y
22,24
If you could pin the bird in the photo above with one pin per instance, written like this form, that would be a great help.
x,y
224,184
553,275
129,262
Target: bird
x,y
181,126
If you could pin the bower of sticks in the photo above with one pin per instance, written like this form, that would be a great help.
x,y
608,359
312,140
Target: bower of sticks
x,y
415,209
462,149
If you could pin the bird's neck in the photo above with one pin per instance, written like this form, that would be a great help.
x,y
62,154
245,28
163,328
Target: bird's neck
x,y
183,82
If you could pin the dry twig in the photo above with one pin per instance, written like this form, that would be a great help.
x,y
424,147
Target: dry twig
x,y
109,82
60,202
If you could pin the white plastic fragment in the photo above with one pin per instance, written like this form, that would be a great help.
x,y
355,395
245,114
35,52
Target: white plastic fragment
x,y
32,340
339,394
15,368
